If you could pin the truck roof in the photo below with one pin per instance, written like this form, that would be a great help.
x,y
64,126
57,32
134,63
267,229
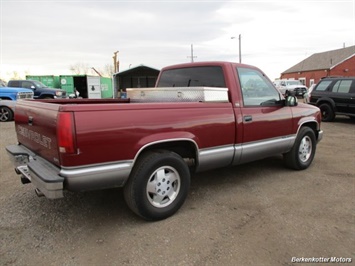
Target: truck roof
x,y
208,63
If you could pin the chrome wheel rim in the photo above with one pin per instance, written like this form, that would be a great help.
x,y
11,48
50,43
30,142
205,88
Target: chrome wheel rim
x,y
305,149
4,115
163,186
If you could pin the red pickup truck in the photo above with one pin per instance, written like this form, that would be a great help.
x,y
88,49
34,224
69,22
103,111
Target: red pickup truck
x,y
200,116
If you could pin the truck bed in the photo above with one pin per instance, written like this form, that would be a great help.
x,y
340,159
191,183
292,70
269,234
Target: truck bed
x,y
105,130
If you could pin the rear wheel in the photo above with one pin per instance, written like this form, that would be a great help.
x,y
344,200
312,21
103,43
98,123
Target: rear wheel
x,y
328,114
302,153
158,185
6,114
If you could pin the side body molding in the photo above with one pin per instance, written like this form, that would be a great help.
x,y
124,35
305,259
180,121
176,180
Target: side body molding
x,y
215,157
257,150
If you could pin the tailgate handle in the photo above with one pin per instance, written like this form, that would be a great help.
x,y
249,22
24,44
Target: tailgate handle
x,y
30,120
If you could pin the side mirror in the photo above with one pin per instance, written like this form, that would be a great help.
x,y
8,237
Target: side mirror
x,y
291,100
33,87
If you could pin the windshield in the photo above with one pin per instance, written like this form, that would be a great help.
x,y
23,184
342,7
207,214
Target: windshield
x,y
293,82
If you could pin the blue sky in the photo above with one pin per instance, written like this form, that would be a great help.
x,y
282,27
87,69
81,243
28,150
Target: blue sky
x,y
47,37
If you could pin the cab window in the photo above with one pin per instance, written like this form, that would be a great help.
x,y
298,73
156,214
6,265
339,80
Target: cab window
x,y
207,76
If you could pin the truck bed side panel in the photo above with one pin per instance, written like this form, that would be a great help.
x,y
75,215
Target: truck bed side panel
x,y
111,135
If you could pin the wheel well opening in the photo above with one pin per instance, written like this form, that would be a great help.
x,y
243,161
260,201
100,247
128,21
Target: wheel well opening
x,y
331,105
312,126
186,149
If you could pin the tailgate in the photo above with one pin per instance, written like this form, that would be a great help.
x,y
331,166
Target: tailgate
x,y
36,128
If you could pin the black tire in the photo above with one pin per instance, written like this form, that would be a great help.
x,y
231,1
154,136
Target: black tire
x,y
158,185
302,153
6,114
327,112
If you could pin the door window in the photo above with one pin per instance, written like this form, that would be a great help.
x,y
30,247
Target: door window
x,y
342,86
323,85
26,84
256,88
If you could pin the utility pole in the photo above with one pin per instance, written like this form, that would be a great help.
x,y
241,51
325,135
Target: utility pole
x,y
192,53
115,62
240,47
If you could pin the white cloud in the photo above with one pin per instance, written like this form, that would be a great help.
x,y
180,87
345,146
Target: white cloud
x,y
46,37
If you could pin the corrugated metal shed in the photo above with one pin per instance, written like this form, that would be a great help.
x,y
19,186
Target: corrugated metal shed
x,y
136,77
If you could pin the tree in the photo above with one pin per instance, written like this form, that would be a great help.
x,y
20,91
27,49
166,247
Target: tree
x,y
108,70
80,68
15,75
84,69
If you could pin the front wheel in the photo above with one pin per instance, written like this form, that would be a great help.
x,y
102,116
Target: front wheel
x,y
302,153
158,185
5,114
328,114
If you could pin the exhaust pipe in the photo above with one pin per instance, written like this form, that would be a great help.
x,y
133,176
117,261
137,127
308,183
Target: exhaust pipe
x,y
17,171
39,193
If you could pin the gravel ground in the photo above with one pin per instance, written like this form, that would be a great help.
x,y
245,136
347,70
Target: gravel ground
x,y
255,214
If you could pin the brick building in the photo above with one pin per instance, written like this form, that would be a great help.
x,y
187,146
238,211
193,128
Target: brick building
x,y
340,62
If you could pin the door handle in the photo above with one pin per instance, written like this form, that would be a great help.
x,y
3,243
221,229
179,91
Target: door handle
x,y
30,120
248,118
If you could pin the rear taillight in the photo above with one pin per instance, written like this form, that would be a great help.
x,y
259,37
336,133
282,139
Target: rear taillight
x,y
65,133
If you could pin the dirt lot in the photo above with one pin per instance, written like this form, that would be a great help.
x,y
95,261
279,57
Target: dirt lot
x,y
255,214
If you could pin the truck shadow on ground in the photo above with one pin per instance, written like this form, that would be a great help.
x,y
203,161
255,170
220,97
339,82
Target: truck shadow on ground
x,y
109,205
343,119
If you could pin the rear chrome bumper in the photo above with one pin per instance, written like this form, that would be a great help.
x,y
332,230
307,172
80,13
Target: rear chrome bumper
x,y
52,180
38,171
